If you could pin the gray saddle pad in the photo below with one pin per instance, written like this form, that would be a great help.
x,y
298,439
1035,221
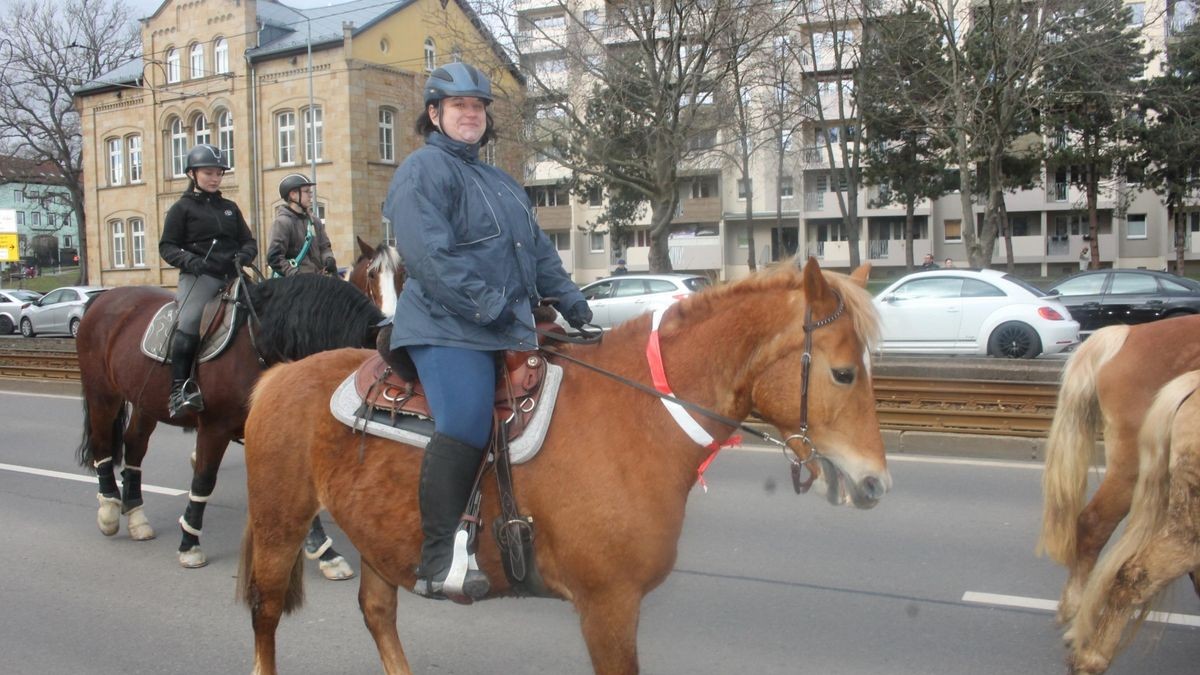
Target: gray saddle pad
x,y
157,337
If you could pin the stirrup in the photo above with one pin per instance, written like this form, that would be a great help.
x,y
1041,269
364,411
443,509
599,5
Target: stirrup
x,y
464,582
186,398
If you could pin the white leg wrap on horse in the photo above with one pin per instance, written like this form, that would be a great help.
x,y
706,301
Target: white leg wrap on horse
x,y
198,498
458,565
188,528
108,518
139,526
336,569
106,460
130,467
320,550
192,558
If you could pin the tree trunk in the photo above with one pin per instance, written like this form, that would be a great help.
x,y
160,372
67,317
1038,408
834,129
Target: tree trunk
x,y
1093,189
1006,232
749,220
910,207
662,212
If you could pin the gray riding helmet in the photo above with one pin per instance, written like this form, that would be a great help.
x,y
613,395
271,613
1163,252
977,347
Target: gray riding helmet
x,y
457,79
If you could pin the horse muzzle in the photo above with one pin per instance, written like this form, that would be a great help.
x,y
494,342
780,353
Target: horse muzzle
x,y
841,487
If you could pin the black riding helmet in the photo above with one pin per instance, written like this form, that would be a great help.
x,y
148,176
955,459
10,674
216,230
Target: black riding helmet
x,y
205,155
457,79
293,181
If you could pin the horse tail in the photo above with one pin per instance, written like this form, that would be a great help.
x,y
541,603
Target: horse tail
x,y
1072,442
1150,501
249,593
84,453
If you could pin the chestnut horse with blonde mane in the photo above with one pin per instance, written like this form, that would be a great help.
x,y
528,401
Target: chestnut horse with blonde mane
x,y
1107,385
608,499
1161,540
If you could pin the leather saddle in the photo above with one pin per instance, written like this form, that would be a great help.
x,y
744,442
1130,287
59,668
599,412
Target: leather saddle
x,y
217,326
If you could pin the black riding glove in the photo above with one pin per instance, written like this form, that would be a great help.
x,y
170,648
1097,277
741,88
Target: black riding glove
x,y
331,266
244,259
503,320
578,314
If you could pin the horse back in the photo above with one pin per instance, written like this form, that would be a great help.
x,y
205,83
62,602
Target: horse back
x,y
1153,354
123,311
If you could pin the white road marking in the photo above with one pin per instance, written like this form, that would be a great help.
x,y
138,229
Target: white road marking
x,y
172,492
26,393
1175,618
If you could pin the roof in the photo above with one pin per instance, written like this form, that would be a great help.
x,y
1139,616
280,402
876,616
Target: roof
x,y
129,73
21,170
286,29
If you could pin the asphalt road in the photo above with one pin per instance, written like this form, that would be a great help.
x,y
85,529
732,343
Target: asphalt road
x,y
766,582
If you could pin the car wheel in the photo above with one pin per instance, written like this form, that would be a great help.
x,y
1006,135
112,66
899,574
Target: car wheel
x,y
27,328
6,325
1014,340
74,327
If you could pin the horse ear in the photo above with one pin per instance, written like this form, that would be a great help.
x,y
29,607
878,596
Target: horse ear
x,y
860,275
815,286
365,248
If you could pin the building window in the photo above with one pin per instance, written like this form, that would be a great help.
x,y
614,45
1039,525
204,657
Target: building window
x,y
314,134
953,230
387,134
117,233
134,143
561,239
225,137
201,131
786,189
744,186
20,218
35,220
179,147
285,135
137,228
221,56
596,242
1136,227
196,61
172,65
116,161
430,55
1137,13
19,196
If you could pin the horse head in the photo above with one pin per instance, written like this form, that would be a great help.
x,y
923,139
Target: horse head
x,y
813,383
379,272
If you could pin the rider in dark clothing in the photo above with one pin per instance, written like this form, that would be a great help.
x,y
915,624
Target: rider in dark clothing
x,y
206,237
299,242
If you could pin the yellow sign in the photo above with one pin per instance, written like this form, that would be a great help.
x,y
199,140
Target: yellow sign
x,y
8,248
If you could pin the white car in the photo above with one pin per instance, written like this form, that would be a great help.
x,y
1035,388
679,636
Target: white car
x,y
58,311
11,303
618,299
972,312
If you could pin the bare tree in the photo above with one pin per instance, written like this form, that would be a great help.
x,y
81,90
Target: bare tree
x,y
55,49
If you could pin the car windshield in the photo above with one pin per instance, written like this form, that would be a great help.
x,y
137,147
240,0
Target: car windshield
x,y
1026,285
697,283
92,294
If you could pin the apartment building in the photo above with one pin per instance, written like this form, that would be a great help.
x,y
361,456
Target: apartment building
x,y
799,210
331,92
38,224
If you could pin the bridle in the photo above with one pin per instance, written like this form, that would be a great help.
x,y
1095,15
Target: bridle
x,y
798,463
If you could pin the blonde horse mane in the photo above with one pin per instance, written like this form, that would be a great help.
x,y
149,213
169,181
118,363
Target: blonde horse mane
x,y
1150,501
1072,443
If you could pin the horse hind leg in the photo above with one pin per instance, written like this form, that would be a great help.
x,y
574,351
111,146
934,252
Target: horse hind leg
x,y
377,600
271,583
100,450
137,438
1095,526
319,546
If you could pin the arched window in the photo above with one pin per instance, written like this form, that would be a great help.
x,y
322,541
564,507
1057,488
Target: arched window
x,y
201,131
134,145
225,136
116,161
172,65
314,134
430,55
285,135
196,61
137,231
387,134
221,56
179,147
116,232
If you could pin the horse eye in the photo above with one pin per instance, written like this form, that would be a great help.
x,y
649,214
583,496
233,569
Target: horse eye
x,y
843,375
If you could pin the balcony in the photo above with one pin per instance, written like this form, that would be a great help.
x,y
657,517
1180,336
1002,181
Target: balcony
x,y
699,210
697,253
554,217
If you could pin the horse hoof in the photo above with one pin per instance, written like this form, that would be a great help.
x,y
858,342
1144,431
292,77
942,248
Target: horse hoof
x,y
336,569
192,558
108,518
139,527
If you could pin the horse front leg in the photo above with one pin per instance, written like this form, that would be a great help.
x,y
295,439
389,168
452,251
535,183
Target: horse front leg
x,y
609,620
319,546
377,600
137,439
210,449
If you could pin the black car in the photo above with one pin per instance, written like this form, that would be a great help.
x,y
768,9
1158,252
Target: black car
x,y
1099,298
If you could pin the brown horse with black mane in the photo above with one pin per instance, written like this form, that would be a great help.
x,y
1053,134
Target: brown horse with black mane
x,y
379,273
125,391
1107,385
608,499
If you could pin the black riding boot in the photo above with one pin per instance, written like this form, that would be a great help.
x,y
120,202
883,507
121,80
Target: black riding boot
x,y
447,475
185,393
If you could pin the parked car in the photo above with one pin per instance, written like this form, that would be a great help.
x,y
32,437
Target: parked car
x,y
58,311
1099,298
11,303
972,312
617,299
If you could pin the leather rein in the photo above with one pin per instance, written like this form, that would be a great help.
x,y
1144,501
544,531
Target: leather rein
x,y
798,463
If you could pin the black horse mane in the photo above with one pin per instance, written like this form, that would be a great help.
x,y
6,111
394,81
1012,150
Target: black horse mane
x,y
304,314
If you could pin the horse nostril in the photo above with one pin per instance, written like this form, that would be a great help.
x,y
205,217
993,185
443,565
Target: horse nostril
x,y
873,487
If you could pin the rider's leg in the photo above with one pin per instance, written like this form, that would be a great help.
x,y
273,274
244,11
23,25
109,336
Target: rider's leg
x,y
460,385
194,292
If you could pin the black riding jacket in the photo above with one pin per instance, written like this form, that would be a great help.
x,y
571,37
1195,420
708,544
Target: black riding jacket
x,y
206,224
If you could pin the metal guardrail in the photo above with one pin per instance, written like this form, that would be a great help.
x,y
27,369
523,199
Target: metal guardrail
x,y
938,405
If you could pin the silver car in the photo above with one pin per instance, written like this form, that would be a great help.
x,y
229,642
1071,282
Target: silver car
x,y
617,299
58,311
11,303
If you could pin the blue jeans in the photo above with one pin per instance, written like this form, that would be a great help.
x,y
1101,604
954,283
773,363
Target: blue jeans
x,y
460,385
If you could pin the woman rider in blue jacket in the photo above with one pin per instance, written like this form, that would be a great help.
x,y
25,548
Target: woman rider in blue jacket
x,y
477,264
